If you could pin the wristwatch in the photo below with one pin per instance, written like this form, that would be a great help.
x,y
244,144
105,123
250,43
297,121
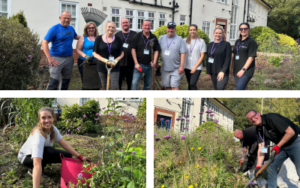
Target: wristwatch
x,y
244,69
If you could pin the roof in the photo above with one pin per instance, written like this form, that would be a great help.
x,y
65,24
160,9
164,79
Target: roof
x,y
266,4
224,105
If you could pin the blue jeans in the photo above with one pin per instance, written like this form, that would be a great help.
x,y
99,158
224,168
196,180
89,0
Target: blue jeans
x,y
293,152
147,69
242,82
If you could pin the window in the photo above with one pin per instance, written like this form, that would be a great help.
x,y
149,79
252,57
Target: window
x,y
182,19
162,19
120,99
223,1
129,16
73,9
136,99
5,8
83,101
233,25
141,17
206,27
151,18
54,103
252,5
186,110
115,17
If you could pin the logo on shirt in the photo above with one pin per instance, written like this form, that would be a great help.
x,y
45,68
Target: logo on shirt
x,y
66,33
244,47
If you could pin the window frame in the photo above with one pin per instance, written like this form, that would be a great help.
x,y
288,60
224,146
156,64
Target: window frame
x,y
206,27
151,19
116,15
180,21
225,2
77,10
81,101
233,24
252,6
130,17
8,9
162,19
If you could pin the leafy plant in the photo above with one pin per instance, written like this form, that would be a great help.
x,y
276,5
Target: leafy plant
x,y
209,126
21,18
141,114
275,61
286,40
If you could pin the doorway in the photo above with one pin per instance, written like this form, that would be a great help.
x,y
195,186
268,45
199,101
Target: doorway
x,y
164,122
223,23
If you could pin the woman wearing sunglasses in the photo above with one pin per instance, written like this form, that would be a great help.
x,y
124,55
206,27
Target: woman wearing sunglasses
x,y
218,59
244,52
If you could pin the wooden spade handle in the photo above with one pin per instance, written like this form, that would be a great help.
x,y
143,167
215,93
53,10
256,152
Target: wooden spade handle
x,y
108,80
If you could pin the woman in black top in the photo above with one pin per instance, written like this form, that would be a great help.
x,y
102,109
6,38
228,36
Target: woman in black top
x,y
108,49
218,59
244,52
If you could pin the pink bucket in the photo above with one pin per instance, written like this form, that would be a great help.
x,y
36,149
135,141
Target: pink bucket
x,y
70,168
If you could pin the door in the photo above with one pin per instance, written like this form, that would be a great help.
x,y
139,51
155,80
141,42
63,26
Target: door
x,y
161,122
223,23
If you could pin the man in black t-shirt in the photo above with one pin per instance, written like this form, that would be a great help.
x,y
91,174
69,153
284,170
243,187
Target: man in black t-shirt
x,y
248,139
141,53
126,63
284,133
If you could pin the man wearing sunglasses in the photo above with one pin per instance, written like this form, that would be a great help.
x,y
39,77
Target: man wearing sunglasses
x,y
284,133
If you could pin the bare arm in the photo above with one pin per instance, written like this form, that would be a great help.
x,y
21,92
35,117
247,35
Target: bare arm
x,y
67,147
182,60
248,62
99,57
260,156
121,56
79,47
37,172
46,50
136,63
289,133
78,37
200,60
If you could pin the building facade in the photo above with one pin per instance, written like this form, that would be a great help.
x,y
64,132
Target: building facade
x,y
43,14
172,108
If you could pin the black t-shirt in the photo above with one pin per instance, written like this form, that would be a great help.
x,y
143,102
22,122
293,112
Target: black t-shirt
x,y
275,126
247,49
127,60
139,44
222,58
101,48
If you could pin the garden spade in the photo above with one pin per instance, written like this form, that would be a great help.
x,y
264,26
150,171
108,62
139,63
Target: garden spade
x,y
263,168
108,68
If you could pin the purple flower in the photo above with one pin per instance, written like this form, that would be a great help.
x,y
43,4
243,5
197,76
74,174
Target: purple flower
x,y
106,149
155,134
201,112
79,176
120,150
214,151
203,121
79,123
69,130
216,137
100,153
112,104
157,139
204,130
199,136
132,132
97,114
30,56
82,104
161,119
69,120
167,121
28,60
211,114
128,104
218,126
209,111
182,137
187,120
216,121
84,116
185,128
186,116
178,119
97,119
194,116
222,141
133,152
251,183
103,108
167,137
32,48
209,152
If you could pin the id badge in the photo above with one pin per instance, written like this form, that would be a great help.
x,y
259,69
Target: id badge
x,y
211,60
264,150
190,58
111,58
146,52
237,57
167,52
125,45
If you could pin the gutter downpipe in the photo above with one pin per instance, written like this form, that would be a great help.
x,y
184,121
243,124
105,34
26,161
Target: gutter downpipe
x,y
191,12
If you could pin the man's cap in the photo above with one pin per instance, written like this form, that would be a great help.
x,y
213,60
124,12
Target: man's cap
x,y
171,24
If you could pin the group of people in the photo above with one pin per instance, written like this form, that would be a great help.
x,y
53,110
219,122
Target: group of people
x,y
268,128
129,55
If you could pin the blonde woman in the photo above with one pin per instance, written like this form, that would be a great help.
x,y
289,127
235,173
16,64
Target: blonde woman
x,y
218,59
85,45
38,150
109,47
194,57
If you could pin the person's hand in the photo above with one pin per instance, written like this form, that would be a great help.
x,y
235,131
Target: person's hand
x,y
256,171
181,70
242,159
209,76
153,64
277,149
137,67
220,76
88,58
157,66
83,158
52,62
240,73
193,70
104,60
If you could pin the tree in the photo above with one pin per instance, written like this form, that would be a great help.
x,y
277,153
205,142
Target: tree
x,y
285,17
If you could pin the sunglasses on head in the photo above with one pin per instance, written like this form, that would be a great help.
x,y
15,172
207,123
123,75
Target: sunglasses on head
x,y
245,29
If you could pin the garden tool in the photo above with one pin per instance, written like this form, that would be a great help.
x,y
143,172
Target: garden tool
x,y
155,82
263,168
93,15
109,65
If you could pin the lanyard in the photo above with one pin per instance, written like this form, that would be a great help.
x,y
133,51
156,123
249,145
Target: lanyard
x,y
145,41
238,47
109,45
168,45
242,143
191,50
93,41
126,37
212,50
263,139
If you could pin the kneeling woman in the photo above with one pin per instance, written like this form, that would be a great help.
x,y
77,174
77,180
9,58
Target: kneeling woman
x,y
38,150
218,59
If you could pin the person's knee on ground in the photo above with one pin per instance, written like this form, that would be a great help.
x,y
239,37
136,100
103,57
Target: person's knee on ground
x,y
53,84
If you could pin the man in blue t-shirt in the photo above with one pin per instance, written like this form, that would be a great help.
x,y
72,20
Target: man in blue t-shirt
x,y
60,56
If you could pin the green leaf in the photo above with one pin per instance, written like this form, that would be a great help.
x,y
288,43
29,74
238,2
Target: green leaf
x,y
131,185
118,136
120,145
125,179
137,174
127,169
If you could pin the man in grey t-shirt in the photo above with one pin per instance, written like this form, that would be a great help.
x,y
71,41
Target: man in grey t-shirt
x,y
173,50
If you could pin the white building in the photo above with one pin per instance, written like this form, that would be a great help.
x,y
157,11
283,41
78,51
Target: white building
x,y
173,108
43,14
132,108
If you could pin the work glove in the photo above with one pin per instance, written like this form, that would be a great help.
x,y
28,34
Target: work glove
x,y
105,60
256,170
83,158
88,58
277,149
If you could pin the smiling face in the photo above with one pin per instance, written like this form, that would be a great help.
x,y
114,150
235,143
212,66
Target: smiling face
x,y
171,31
146,26
46,119
65,19
254,118
125,24
110,28
193,31
91,30
244,30
218,34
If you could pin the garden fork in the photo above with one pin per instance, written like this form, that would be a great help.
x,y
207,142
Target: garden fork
x,y
263,168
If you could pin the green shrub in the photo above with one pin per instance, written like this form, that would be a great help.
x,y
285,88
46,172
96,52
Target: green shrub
x,y
263,35
21,18
19,55
209,126
182,31
286,40
80,119
141,114
275,61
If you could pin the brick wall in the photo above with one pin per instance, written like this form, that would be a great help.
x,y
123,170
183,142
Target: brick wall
x,y
172,114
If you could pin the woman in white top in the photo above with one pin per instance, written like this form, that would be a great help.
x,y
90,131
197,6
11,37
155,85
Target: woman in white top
x,y
38,150
194,57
